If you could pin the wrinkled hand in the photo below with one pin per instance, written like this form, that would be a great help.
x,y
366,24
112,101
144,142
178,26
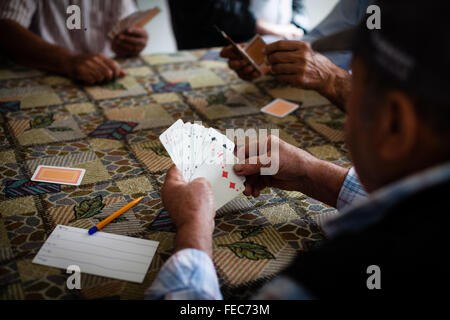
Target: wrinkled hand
x,y
298,171
242,67
293,164
130,42
93,68
191,207
295,62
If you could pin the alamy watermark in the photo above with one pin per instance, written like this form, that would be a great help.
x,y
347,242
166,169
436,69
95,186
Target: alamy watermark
x,y
374,280
259,147
374,20
74,280
74,19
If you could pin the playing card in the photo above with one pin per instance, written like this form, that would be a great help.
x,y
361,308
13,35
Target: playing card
x,y
187,153
60,175
199,133
242,51
168,139
254,50
221,138
215,145
177,145
146,16
225,184
138,19
279,108
214,153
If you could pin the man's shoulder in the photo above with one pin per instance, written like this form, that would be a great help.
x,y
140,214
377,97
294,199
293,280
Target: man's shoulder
x,y
406,244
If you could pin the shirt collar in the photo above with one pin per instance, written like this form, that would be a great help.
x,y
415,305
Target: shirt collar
x,y
369,211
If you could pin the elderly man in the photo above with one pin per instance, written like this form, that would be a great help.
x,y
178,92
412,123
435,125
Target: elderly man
x,y
34,33
397,132
296,63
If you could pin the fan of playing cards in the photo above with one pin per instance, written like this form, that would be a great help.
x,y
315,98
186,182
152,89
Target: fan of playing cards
x,y
204,152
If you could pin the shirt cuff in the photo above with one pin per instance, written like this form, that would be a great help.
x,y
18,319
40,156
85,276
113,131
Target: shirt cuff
x,y
352,190
189,274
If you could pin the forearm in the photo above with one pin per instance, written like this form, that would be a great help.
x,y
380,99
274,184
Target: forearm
x,y
337,86
323,180
29,49
195,236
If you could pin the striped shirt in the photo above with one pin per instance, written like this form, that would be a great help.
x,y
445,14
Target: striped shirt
x,y
351,192
47,18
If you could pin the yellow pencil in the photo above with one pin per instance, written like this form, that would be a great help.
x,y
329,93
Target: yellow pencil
x,y
104,222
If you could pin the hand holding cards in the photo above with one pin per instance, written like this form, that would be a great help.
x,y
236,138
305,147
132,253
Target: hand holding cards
x,y
252,51
200,152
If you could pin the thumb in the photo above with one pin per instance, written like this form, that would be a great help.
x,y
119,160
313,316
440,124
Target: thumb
x,y
251,166
229,52
174,175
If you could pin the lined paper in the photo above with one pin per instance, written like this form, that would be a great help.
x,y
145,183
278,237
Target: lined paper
x,y
103,254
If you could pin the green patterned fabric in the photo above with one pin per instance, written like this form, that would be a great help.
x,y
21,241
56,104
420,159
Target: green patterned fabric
x,y
112,131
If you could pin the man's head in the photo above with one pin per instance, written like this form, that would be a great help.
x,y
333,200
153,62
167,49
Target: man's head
x,y
399,109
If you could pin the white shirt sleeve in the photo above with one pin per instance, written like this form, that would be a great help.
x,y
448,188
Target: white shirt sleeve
x,y
189,274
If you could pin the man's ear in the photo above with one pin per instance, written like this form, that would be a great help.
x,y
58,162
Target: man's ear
x,y
397,127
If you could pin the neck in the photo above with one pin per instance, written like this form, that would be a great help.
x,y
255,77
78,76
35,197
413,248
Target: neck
x,y
407,167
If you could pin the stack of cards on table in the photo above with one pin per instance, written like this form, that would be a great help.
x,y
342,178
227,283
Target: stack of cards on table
x,y
59,175
280,108
200,152
138,19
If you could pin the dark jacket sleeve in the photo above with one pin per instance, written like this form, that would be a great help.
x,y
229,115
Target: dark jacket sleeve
x,y
234,17
193,22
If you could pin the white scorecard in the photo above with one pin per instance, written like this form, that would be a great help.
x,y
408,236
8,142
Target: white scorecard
x,y
103,254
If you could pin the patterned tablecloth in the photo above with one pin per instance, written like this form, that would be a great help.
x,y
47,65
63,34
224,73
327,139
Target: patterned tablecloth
x,y
112,131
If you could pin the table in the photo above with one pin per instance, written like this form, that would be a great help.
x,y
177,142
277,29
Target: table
x,y
112,131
